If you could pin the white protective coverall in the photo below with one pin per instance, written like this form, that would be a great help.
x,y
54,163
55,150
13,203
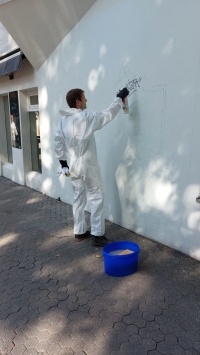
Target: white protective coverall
x,y
74,141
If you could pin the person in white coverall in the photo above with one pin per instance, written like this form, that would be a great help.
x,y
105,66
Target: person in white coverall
x,y
74,143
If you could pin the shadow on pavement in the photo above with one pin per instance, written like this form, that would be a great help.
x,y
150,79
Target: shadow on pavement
x,y
56,298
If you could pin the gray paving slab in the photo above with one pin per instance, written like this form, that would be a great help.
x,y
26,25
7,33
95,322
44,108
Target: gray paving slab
x,y
55,298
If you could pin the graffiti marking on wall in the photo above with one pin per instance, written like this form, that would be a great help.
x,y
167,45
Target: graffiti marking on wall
x,y
132,85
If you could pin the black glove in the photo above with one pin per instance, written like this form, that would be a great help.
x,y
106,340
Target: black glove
x,y
64,164
123,93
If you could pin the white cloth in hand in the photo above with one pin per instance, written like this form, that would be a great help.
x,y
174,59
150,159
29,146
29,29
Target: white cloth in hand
x,y
63,171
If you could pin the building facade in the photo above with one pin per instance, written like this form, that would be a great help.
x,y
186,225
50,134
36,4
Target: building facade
x,y
149,157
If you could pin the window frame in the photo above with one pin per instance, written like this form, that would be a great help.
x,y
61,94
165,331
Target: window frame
x,y
32,108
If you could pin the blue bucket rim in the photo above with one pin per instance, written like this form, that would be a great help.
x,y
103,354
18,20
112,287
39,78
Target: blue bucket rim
x,y
104,252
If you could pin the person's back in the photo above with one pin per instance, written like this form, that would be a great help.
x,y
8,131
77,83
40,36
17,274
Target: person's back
x,y
79,140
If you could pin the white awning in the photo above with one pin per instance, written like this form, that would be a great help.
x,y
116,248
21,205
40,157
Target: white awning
x,y
39,26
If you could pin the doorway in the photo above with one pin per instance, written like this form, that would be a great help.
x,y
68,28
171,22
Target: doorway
x,y
34,119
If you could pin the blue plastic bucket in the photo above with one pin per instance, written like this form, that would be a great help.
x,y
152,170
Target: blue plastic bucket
x,y
120,265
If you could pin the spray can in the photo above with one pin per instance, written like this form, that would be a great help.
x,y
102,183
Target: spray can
x,y
125,105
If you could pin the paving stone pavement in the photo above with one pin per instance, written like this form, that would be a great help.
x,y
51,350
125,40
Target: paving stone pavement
x,y
55,298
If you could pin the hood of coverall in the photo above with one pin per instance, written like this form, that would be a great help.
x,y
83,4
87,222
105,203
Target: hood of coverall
x,y
69,112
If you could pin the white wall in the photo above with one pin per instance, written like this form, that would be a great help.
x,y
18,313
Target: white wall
x,y
150,158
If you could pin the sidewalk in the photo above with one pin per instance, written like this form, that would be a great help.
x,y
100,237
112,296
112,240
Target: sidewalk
x,y
55,298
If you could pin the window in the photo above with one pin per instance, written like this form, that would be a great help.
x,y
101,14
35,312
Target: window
x,y
33,102
8,130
